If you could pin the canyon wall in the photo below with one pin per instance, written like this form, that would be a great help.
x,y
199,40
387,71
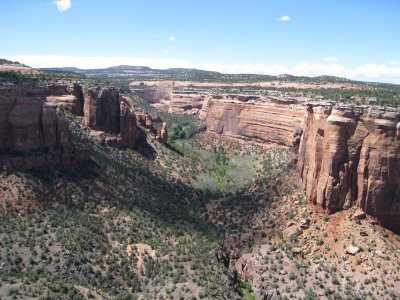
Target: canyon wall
x,y
351,155
189,103
153,96
245,117
32,135
263,121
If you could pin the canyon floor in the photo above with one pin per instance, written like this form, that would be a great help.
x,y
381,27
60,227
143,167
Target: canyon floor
x,y
201,217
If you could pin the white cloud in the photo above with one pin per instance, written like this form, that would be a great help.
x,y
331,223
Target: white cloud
x,y
332,59
394,62
369,72
63,5
165,51
171,38
284,18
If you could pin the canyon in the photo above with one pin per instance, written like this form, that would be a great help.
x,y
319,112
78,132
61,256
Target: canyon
x,y
304,181
346,154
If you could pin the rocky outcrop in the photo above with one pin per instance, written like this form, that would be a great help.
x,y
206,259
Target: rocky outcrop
x,y
128,130
33,136
189,103
153,96
351,155
102,109
107,111
263,121
162,133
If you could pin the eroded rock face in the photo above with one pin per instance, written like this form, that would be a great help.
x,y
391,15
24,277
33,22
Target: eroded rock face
x,y
162,134
108,111
189,103
33,136
159,95
264,121
351,155
129,132
102,109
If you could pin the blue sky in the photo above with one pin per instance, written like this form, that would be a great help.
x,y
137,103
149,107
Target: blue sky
x,y
358,39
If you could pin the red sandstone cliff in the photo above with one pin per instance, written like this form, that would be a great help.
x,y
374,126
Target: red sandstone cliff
x,y
351,155
189,103
240,116
32,135
263,121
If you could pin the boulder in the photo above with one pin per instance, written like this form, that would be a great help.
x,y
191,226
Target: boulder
x,y
292,231
358,215
352,250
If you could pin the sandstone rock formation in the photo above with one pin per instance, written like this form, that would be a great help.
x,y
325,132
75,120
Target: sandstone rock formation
x,y
106,110
129,132
351,155
265,121
102,109
246,117
162,134
159,95
189,102
32,135
146,121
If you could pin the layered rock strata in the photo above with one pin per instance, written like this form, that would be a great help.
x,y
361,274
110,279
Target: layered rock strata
x,y
189,103
245,117
33,136
263,121
351,155
153,96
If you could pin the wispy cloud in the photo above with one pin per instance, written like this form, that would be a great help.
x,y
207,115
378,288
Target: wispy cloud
x,y
63,5
394,62
284,18
172,38
332,58
165,51
369,72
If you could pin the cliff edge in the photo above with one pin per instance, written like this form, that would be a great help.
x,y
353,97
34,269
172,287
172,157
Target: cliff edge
x,y
350,155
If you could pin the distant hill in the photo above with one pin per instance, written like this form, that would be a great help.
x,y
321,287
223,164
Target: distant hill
x,y
127,70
